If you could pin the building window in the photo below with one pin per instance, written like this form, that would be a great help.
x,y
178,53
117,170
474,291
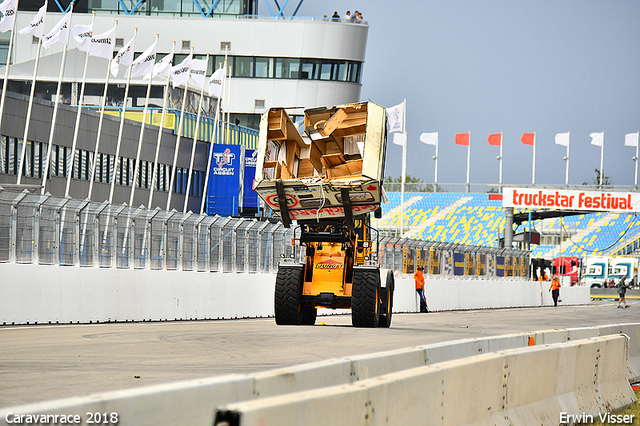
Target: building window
x,y
287,67
243,66
264,67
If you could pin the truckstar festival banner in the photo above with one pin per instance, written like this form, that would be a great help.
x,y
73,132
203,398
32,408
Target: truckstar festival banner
x,y
567,199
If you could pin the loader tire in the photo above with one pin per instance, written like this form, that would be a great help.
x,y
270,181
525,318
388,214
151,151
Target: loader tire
x,y
365,298
309,314
287,306
387,301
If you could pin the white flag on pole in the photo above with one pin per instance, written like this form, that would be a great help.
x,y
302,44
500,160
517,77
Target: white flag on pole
x,y
180,73
215,83
597,139
36,26
163,67
59,33
399,139
429,138
631,139
82,34
562,139
198,72
143,65
102,45
123,57
7,15
395,115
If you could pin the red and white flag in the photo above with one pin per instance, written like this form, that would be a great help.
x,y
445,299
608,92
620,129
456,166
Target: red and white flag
x,y
495,139
36,26
180,73
198,72
395,115
143,65
463,139
82,34
163,67
528,138
59,33
101,45
123,57
215,83
8,10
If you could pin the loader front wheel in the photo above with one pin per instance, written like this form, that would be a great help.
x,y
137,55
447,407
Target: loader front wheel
x,y
287,306
387,301
365,298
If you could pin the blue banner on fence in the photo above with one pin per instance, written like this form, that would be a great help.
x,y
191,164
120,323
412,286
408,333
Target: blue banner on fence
x,y
225,187
458,263
250,199
500,266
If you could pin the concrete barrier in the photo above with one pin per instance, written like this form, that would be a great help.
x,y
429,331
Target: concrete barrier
x,y
519,386
197,399
36,294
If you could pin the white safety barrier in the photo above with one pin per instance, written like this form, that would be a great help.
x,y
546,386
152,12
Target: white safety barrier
x,y
520,386
39,294
197,399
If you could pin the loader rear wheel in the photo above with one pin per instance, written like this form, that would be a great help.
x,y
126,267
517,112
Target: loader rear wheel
x,y
309,314
288,309
387,301
365,298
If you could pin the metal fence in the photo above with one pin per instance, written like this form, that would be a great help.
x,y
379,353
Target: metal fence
x,y
47,230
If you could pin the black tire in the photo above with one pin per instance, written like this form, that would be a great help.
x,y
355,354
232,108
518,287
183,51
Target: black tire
x,y
288,309
365,298
387,301
309,314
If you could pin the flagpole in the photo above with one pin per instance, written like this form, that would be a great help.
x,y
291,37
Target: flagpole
x,y
28,117
195,140
55,109
228,110
533,173
404,164
566,179
76,130
636,179
120,129
136,165
100,120
404,172
500,178
215,135
469,163
6,68
435,157
601,160
160,130
178,137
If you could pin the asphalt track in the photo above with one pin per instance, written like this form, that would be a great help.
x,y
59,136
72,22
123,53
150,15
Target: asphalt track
x,y
39,363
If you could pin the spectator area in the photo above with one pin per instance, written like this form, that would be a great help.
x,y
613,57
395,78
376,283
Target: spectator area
x,y
475,219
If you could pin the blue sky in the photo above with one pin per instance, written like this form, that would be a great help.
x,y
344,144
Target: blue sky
x,y
544,66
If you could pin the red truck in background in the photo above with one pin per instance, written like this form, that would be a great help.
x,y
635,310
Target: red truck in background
x,y
566,266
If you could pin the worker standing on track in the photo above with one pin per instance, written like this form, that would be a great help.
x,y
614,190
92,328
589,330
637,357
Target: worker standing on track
x,y
555,290
419,278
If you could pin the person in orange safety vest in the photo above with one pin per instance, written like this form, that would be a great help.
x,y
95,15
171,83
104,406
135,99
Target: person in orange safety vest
x,y
419,278
555,290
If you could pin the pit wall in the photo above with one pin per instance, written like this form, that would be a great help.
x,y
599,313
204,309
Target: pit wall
x,y
40,294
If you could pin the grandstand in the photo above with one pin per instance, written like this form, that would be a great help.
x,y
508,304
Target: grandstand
x,y
479,220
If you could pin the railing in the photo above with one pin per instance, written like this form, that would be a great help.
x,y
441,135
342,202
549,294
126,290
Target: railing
x,y
48,230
